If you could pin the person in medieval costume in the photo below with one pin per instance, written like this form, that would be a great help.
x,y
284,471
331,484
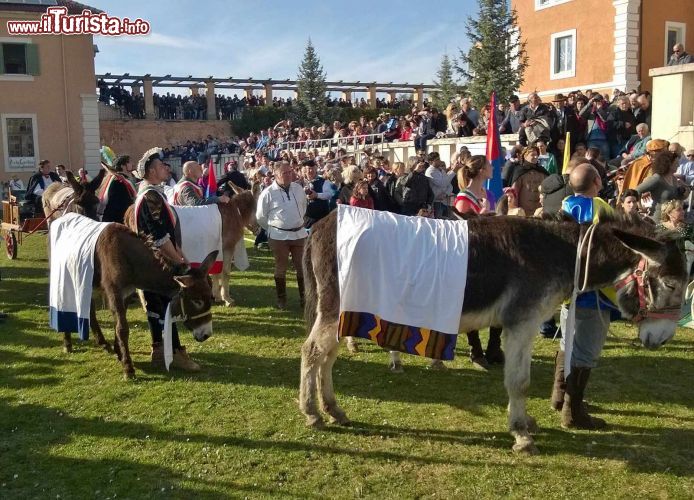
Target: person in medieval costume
x,y
155,218
594,311
118,189
187,192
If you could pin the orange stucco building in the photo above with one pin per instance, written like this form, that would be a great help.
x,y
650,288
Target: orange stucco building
x,y
600,44
48,102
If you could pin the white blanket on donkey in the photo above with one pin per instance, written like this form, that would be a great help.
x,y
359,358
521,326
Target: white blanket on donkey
x,y
73,241
201,233
406,270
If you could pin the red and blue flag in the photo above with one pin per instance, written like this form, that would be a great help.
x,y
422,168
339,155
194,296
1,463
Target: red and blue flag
x,y
211,181
494,154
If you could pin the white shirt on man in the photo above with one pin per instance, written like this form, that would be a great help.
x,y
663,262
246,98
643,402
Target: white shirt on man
x,y
47,181
280,210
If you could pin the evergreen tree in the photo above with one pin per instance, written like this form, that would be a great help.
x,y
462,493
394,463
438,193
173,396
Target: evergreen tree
x,y
497,58
449,88
311,85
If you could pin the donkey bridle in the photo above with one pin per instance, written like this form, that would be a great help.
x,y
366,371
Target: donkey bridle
x,y
185,317
645,295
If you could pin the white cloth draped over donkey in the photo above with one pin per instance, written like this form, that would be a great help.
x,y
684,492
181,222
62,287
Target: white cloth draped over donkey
x,y
396,271
201,233
73,241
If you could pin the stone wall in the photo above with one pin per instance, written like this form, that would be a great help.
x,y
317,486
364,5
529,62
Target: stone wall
x,y
672,115
134,137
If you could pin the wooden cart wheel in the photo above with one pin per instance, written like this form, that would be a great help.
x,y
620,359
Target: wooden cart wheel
x,y
11,245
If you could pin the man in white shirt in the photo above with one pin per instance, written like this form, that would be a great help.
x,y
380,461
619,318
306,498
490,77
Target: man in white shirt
x,y
281,210
38,184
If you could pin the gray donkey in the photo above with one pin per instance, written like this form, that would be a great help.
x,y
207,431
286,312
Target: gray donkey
x,y
519,271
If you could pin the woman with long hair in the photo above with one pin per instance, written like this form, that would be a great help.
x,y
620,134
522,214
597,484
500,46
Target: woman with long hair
x,y
474,198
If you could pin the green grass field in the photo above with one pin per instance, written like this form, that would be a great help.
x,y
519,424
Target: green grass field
x,y
70,427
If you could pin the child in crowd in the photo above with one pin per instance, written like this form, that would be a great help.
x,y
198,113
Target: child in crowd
x,y
360,196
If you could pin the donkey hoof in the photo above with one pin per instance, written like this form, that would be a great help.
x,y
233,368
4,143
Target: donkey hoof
x,y
396,368
129,375
339,418
437,364
315,421
533,428
229,303
67,349
107,347
526,448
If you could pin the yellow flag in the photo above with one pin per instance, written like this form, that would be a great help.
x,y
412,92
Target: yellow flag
x,y
567,152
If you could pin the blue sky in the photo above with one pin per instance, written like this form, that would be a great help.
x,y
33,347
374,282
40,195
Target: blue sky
x,y
356,40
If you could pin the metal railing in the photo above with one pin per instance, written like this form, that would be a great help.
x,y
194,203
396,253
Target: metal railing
x,y
351,143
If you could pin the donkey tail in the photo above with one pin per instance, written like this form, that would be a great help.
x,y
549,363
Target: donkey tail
x,y
310,293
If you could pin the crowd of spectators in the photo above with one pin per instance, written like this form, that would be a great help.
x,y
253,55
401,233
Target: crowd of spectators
x,y
194,107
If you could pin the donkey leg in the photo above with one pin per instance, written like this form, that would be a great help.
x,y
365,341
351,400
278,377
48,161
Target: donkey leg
x,y
519,341
313,355
67,343
325,377
96,329
122,334
223,278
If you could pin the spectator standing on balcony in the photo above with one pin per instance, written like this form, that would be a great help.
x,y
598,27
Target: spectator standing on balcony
x,y
537,121
440,182
679,56
439,122
511,123
425,131
416,191
597,113
623,126
469,110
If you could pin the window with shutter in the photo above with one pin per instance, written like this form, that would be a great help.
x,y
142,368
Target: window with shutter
x,y
14,59
32,59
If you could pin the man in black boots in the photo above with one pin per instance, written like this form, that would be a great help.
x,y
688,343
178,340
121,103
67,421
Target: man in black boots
x,y
281,210
592,318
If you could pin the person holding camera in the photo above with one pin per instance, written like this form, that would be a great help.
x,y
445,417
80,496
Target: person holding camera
x,y
318,194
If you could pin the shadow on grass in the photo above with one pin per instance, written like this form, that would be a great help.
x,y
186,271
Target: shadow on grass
x,y
32,431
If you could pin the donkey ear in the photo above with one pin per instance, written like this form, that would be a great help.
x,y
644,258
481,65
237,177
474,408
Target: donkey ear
x,y
185,281
76,186
208,262
649,248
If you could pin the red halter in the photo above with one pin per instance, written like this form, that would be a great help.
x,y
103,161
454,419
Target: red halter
x,y
643,289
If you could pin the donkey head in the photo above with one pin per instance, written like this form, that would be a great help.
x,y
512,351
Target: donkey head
x,y
84,201
195,299
652,294
245,203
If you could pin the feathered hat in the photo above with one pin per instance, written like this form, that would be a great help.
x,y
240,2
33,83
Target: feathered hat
x,y
108,158
149,155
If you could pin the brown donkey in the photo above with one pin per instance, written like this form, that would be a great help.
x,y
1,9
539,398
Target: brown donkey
x,y
237,215
123,262
59,199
